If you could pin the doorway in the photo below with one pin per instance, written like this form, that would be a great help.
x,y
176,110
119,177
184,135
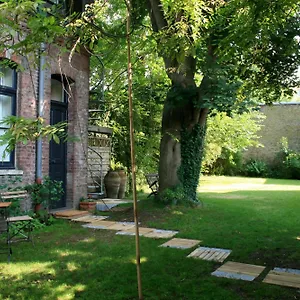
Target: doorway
x,y
58,152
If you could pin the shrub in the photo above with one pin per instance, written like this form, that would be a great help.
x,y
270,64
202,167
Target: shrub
x,y
292,164
287,162
228,136
256,168
46,192
229,163
173,196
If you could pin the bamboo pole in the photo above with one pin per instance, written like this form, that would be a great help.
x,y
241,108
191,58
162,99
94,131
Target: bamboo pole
x,y
133,170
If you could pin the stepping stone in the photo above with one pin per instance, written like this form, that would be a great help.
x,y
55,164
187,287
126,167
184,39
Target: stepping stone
x,y
103,222
161,234
121,226
241,271
89,219
106,204
99,225
181,243
214,254
70,214
131,231
284,277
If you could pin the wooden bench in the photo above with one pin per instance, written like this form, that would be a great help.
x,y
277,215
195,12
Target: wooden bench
x,y
19,227
152,180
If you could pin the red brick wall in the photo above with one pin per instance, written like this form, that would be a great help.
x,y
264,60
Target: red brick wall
x,y
77,69
27,107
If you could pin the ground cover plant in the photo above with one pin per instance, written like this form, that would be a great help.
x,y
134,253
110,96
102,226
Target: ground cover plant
x,y
256,218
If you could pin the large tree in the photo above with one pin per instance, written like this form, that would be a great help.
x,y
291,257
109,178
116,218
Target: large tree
x,y
217,55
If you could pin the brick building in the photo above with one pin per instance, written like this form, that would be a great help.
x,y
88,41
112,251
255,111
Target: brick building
x,y
65,98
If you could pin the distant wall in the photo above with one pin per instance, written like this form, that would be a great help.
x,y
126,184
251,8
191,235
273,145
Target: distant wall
x,y
282,120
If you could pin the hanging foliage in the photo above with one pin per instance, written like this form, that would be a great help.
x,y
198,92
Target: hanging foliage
x,y
23,130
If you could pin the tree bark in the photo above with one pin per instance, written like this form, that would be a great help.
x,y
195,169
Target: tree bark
x,y
170,154
183,121
183,130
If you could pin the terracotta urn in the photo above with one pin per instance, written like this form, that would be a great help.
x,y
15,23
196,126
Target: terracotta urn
x,y
123,181
112,184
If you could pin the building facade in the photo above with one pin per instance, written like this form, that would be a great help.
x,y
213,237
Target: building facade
x,y
64,97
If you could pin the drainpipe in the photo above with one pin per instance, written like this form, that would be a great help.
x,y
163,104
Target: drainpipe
x,y
40,108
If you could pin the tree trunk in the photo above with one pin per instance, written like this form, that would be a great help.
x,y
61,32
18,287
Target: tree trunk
x,y
181,148
184,117
169,162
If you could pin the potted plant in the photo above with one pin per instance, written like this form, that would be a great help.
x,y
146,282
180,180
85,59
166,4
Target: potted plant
x,y
87,204
45,193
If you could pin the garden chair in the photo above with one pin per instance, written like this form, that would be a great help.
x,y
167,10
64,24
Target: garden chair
x,y
19,227
152,180
4,230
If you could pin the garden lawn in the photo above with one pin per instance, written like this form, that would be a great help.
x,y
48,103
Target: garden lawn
x,y
258,219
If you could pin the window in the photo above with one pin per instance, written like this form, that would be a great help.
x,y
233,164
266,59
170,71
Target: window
x,y
57,91
8,89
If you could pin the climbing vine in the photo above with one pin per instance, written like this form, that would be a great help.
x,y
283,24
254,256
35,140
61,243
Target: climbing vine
x,y
192,146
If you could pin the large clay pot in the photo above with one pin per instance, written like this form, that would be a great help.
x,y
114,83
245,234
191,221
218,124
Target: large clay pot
x,y
123,180
112,184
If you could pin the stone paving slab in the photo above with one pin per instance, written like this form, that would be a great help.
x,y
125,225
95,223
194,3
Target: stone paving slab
x,y
121,226
89,219
284,277
99,224
70,214
107,203
211,254
142,231
240,271
161,234
181,243
91,226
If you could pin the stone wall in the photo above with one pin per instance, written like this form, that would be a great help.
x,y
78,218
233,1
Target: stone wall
x,y
282,120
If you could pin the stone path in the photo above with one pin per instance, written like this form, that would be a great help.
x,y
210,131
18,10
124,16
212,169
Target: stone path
x,y
232,270
70,214
181,243
89,219
284,277
106,204
238,271
214,254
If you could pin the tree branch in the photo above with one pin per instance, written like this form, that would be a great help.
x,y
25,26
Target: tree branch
x,y
157,15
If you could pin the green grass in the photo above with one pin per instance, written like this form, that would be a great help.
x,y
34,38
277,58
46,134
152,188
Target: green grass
x,y
257,218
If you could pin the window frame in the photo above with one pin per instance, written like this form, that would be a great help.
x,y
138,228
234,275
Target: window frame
x,y
11,92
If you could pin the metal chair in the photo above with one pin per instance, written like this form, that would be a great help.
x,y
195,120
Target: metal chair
x,y
152,180
5,247
20,227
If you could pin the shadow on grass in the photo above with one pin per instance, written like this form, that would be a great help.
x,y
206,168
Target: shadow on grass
x,y
100,265
70,262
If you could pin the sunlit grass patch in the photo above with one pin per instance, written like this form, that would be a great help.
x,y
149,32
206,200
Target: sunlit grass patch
x,y
258,219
